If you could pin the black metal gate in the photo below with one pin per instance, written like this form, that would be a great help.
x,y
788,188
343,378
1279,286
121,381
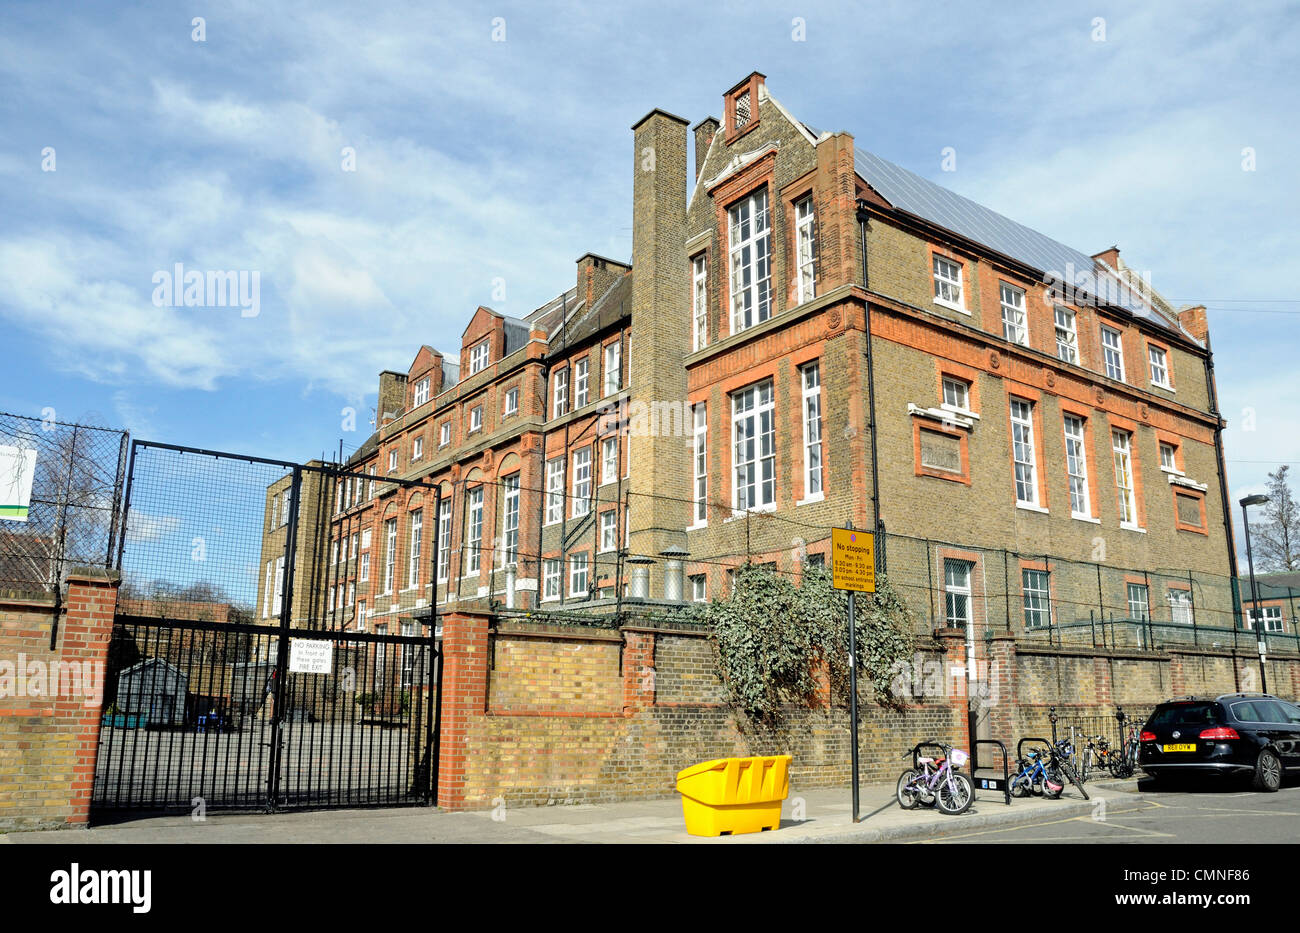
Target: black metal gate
x,y
223,688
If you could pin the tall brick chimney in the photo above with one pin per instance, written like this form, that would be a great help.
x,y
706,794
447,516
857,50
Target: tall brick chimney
x,y
704,131
392,394
660,333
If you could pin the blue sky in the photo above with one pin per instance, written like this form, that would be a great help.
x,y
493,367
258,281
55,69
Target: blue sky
x,y
479,159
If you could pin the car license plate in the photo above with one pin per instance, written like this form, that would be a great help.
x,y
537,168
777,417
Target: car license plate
x,y
1184,747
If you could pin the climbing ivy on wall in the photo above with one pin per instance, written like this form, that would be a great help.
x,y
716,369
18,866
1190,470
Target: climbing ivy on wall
x,y
771,637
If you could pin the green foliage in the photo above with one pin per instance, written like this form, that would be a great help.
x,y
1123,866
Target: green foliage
x,y
773,637
367,702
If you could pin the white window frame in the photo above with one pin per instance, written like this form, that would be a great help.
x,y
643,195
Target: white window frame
x,y
421,392
560,393
1113,352
1076,466
1172,465
416,546
392,460
699,588
1067,334
958,399
476,419
613,367
609,461
948,290
555,491
363,569
956,587
510,520
277,594
1271,615
1181,610
578,566
700,462
1015,321
581,383
813,446
478,357
552,579
417,449
1023,455
1121,443
805,225
512,401
1159,370
1139,601
266,597
444,434
581,481
700,303
474,531
361,616
275,512
444,540
749,251
390,554
1037,597
753,432
608,530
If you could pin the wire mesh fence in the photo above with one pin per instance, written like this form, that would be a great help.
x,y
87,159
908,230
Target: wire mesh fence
x,y
60,500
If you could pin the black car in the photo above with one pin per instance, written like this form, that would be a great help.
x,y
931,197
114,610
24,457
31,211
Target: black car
x,y
1237,733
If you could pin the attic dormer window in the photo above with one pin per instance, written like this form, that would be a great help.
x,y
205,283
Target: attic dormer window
x,y
421,391
478,358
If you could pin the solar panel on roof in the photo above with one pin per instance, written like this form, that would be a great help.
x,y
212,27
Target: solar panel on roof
x,y
934,203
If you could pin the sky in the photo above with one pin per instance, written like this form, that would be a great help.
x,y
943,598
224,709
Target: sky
x,y
385,168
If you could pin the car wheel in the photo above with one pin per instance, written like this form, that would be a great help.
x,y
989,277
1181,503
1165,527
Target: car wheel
x,y
1268,772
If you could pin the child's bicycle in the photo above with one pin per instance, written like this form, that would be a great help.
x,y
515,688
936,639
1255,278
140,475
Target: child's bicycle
x,y
936,781
1037,776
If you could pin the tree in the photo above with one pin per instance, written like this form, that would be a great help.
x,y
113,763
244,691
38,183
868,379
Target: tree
x,y
1277,540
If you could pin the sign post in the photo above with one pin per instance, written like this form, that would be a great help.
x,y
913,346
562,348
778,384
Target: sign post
x,y
853,568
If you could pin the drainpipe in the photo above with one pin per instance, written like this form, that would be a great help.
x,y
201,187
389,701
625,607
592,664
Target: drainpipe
x,y
871,394
1223,480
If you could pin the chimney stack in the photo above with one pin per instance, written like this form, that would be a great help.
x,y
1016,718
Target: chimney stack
x,y
596,274
660,330
392,394
1109,256
704,131
1195,322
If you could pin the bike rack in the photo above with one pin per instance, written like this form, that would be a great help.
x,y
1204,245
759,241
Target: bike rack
x,y
916,749
990,783
1020,746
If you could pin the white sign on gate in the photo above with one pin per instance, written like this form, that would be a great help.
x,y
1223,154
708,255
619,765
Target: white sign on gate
x,y
310,656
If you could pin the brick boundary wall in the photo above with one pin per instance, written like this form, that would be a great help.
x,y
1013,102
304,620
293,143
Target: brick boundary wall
x,y
527,719
48,743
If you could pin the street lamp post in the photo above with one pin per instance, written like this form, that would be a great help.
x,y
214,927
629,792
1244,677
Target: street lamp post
x,y
1254,589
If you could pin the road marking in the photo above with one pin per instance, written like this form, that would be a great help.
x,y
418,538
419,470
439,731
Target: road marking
x,y
1003,829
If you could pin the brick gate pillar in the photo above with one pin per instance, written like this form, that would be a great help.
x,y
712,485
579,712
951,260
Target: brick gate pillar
x,y
464,700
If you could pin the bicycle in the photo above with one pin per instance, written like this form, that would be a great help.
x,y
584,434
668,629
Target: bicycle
x,y
1097,757
1037,776
936,782
1124,764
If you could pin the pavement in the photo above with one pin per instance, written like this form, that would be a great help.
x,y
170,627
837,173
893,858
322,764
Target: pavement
x,y
815,815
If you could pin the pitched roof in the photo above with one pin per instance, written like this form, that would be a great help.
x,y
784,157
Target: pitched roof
x,y
909,192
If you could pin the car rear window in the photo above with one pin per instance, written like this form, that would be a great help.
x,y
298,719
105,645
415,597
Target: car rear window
x,y
1186,714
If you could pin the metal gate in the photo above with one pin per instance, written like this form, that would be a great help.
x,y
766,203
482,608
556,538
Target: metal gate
x,y
235,678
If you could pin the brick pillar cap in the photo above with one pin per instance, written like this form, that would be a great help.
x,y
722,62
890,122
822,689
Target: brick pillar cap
x,y
949,633
1002,636
93,575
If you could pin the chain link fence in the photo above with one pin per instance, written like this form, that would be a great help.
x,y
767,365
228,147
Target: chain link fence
x,y
65,481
